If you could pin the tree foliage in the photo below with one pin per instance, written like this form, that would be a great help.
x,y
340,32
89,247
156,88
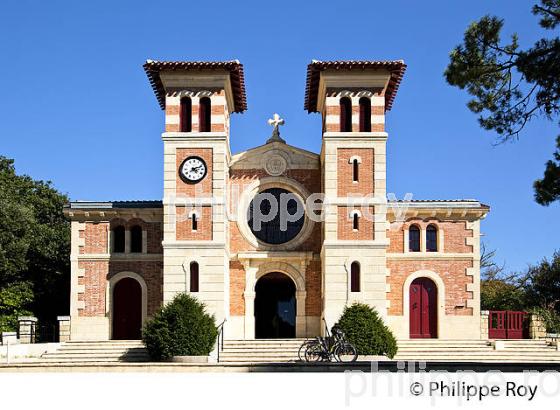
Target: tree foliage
x,y
541,283
180,328
34,248
537,289
366,331
499,294
511,86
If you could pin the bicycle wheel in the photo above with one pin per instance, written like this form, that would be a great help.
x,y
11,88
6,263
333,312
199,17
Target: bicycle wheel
x,y
302,349
314,352
346,353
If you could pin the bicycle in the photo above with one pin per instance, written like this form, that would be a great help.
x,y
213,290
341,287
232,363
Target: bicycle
x,y
329,348
303,348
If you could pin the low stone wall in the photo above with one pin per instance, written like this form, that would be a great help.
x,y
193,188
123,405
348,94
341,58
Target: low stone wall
x,y
27,329
537,327
484,323
25,352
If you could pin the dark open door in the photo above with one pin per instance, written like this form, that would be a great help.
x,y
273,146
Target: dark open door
x,y
127,310
423,309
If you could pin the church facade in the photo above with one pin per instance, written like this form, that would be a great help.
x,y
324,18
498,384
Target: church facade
x,y
276,240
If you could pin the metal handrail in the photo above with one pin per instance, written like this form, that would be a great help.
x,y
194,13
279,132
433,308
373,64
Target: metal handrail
x,y
327,333
220,338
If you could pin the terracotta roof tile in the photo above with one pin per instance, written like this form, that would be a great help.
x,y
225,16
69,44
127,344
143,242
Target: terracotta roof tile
x,y
235,68
397,69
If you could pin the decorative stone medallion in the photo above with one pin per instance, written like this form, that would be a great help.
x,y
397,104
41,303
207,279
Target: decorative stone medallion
x,y
275,165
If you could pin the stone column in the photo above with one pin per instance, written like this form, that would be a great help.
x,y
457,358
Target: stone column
x,y
484,323
27,327
301,325
249,296
63,328
537,327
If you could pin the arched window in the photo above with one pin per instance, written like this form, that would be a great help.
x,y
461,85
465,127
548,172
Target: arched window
x,y
136,239
204,114
355,170
355,221
365,114
355,277
414,239
345,115
194,221
118,239
185,116
431,238
194,277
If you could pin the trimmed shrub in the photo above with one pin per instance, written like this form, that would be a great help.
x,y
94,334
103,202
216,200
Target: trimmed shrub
x,y
181,328
366,331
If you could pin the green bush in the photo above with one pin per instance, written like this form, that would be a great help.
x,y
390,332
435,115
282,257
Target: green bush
x,y
550,318
366,331
181,328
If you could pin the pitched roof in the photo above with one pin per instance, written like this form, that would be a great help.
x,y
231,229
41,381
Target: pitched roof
x,y
396,68
113,204
235,68
446,203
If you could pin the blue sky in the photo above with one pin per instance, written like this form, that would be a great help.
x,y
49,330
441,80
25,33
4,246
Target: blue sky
x,y
77,109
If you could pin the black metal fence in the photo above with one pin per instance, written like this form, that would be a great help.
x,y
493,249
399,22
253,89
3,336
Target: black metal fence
x,y
45,332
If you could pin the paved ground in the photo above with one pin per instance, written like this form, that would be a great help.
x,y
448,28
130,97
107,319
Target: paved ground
x,y
390,366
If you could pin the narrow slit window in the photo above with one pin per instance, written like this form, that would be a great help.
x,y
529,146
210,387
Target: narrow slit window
x,y
136,239
118,239
355,170
431,239
355,221
414,239
345,115
365,114
185,115
204,114
194,220
355,277
194,277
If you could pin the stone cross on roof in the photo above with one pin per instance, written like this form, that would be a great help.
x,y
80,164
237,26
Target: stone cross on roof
x,y
275,122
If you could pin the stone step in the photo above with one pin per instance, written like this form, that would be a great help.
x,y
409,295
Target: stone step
x,y
258,354
267,350
441,342
500,359
93,360
105,353
452,350
99,348
474,357
291,342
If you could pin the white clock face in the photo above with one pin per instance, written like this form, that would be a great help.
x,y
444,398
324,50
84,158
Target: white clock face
x,y
193,169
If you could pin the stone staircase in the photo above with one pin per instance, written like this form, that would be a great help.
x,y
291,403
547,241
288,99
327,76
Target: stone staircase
x,y
514,351
241,352
260,351
113,351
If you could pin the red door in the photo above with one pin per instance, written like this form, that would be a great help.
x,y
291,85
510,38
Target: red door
x,y
127,310
423,309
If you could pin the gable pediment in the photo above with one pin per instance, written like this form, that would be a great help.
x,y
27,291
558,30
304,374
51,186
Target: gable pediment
x,y
273,156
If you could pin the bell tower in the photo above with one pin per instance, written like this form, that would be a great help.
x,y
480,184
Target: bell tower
x,y
198,99
353,97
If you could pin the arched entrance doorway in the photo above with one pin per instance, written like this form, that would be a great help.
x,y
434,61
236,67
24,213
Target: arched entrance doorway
x,y
127,310
423,309
275,307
